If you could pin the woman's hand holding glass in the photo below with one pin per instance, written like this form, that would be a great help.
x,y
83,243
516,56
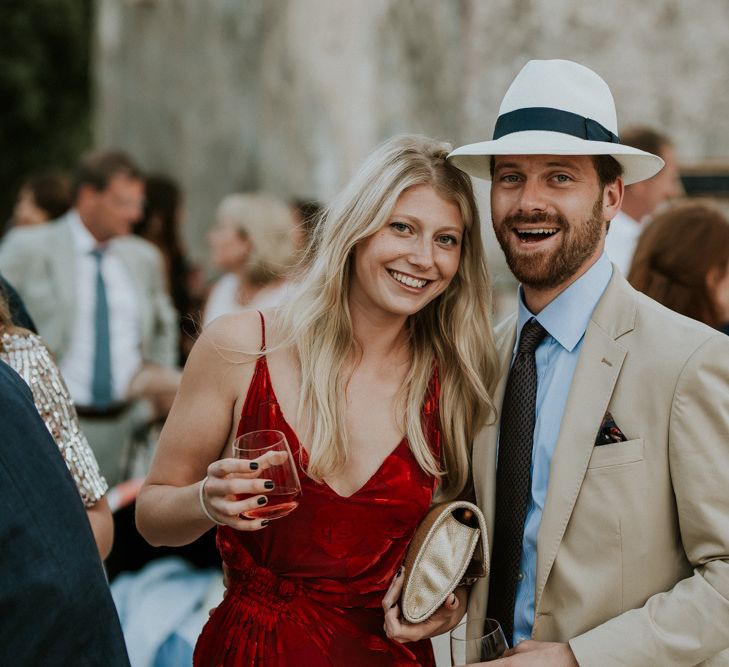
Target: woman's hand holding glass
x,y
259,484
236,488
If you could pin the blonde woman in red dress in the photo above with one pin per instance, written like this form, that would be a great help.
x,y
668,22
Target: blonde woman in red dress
x,y
378,373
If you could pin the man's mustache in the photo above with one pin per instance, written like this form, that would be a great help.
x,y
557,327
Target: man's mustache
x,y
535,219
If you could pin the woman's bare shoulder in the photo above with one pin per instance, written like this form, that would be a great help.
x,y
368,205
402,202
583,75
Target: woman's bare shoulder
x,y
236,336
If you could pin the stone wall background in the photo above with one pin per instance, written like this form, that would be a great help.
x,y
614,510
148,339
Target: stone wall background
x,y
290,95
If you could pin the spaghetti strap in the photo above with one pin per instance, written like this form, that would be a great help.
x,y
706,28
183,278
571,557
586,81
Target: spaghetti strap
x,y
263,332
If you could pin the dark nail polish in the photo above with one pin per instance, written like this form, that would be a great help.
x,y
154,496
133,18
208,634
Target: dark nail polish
x,y
268,485
254,465
265,522
393,605
262,500
399,572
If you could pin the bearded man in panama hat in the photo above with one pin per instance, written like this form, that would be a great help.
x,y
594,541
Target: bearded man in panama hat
x,y
605,483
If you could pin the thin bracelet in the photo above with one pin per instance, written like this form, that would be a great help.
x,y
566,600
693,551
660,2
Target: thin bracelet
x,y
202,503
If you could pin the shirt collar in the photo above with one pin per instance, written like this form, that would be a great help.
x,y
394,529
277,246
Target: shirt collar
x,y
566,318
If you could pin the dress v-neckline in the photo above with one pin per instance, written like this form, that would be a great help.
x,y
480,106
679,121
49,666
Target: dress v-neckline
x,y
305,461
304,454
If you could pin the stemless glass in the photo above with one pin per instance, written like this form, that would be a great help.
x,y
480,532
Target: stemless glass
x,y
480,640
271,450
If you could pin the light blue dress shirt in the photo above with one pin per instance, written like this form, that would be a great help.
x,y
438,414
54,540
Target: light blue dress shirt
x,y
565,319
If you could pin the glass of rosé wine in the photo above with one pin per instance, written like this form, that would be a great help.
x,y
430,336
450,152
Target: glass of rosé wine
x,y
270,450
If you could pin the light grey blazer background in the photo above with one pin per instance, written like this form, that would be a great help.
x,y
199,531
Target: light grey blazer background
x,y
39,262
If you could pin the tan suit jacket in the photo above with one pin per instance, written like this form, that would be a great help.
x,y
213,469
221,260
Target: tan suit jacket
x,y
633,547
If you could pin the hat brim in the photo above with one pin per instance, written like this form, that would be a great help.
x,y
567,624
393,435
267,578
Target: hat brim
x,y
475,159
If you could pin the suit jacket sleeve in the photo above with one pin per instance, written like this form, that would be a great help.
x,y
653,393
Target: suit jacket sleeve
x,y
690,622
15,259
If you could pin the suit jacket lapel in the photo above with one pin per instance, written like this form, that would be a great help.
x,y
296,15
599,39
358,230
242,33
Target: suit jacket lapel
x,y
485,444
601,359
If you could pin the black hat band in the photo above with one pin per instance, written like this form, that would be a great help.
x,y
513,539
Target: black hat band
x,y
553,120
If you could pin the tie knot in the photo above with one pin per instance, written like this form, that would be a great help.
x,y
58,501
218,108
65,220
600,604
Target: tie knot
x,y
98,252
532,334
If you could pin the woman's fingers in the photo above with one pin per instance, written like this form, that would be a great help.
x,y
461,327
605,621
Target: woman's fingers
x,y
393,622
224,467
232,488
249,524
393,593
270,459
247,505
245,468
232,512
451,602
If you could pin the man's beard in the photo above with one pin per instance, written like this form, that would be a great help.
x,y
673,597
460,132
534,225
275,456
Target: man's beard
x,y
550,268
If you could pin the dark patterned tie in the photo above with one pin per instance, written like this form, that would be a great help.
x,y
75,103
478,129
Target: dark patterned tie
x,y
513,476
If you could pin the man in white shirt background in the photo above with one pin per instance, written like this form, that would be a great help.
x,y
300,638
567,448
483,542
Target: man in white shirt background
x,y
98,297
642,199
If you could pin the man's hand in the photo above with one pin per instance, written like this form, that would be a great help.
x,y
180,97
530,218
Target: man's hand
x,y
443,620
537,654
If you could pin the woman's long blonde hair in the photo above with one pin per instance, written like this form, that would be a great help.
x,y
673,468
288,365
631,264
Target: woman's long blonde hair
x,y
454,330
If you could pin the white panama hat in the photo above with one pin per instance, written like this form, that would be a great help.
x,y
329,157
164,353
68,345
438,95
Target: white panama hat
x,y
556,107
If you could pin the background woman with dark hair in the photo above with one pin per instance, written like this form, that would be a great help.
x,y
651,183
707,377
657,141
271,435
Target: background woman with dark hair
x,y
43,197
682,261
160,224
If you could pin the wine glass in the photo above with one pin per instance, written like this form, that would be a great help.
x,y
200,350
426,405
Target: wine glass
x,y
270,450
477,640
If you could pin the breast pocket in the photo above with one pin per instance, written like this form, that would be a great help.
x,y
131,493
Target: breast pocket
x,y
616,454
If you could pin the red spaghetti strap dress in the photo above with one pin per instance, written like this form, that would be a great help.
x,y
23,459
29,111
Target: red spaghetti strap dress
x,y
306,591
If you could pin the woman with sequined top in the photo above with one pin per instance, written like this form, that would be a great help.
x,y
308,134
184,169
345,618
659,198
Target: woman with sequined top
x,y
28,356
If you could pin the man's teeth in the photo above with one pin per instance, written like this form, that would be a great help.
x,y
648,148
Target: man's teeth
x,y
407,280
548,232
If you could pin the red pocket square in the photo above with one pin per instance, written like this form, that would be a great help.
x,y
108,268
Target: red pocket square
x,y
609,432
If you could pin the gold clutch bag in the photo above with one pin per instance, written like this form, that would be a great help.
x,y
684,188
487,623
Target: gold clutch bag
x,y
449,549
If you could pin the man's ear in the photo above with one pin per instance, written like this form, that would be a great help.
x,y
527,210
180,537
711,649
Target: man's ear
x,y
85,194
713,277
612,198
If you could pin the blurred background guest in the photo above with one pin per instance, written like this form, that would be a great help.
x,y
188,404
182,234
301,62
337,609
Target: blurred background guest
x,y
253,242
42,197
100,302
682,261
642,199
161,224
27,355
